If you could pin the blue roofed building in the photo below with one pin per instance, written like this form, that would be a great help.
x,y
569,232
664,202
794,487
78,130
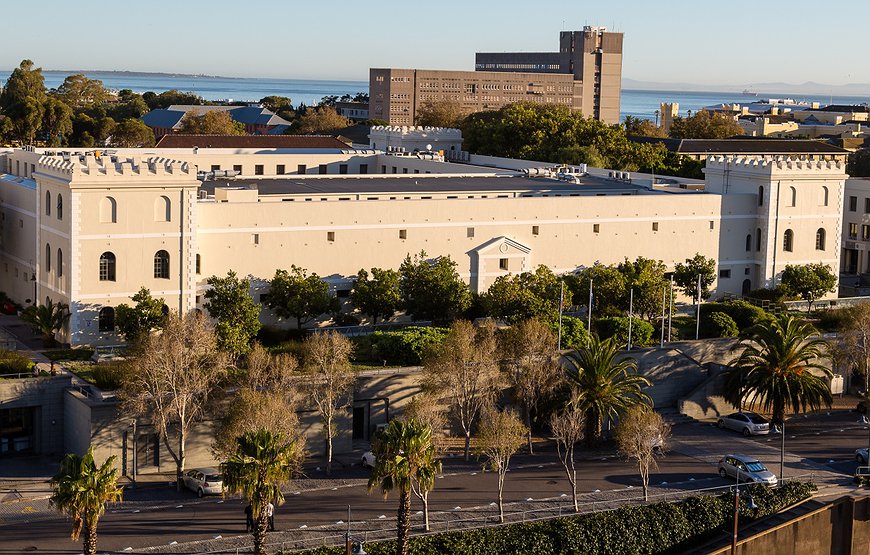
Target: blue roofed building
x,y
256,119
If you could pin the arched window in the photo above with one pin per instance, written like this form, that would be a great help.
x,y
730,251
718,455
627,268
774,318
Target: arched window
x,y
793,192
788,240
761,195
749,242
47,258
59,263
48,203
820,239
107,266
161,265
824,196
162,209
108,211
107,319
59,207
758,239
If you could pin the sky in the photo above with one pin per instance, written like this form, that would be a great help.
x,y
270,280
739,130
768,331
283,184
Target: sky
x,y
701,41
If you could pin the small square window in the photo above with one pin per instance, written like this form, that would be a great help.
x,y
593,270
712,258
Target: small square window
x,y
342,168
655,226
198,299
237,168
255,238
536,230
596,228
469,232
330,236
322,169
363,169
301,168
745,271
712,224
503,264
404,170
258,169
215,167
280,169
724,274
853,204
403,234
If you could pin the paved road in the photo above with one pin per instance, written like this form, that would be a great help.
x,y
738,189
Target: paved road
x,y
696,447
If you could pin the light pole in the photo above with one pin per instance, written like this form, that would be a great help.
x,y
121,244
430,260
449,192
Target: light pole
x,y
133,424
750,504
781,429
698,314
662,341
589,309
670,307
352,545
561,303
630,314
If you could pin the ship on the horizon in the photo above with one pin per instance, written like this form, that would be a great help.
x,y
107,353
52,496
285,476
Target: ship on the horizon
x,y
747,92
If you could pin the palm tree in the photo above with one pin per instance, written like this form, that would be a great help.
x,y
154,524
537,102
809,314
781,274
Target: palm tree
x,y
48,319
81,490
773,369
605,387
404,459
261,463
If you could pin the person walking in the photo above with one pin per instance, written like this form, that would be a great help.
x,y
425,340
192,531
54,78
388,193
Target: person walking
x,y
249,518
270,514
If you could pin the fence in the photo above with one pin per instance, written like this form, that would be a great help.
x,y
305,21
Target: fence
x,y
483,517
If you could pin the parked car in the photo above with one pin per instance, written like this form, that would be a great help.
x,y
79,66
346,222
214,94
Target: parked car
x,y
750,469
204,481
861,408
861,456
747,423
368,460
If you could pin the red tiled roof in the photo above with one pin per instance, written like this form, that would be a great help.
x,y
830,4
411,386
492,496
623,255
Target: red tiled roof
x,y
251,141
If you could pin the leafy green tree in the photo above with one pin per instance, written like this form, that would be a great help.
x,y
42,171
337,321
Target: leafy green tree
x,y
90,131
56,122
775,367
323,120
642,127
281,105
705,125
23,101
229,301
647,278
686,275
295,294
808,281
608,288
432,289
213,122
147,316
718,324
132,133
616,328
404,456
378,297
859,163
605,386
440,113
574,332
514,298
79,92
170,97
81,490
262,463
48,319
130,105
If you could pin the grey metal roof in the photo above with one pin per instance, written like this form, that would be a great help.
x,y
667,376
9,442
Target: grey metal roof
x,y
162,117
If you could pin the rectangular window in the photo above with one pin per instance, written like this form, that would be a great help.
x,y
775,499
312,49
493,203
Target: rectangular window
x,y
853,204
712,225
503,264
867,205
322,169
198,299
280,169
237,168
469,232
383,169
258,169
404,170
865,232
255,238
394,169
596,228
725,274
403,234
536,230
215,167
301,168
655,226
363,169
746,271
853,231
342,169
330,236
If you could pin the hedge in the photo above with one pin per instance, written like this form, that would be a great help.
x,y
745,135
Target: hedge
x,y
718,324
658,528
404,347
14,363
744,314
617,326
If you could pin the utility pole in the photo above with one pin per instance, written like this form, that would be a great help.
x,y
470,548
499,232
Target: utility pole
x,y
589,310
561,303
662,341
698,316
670,307
630,314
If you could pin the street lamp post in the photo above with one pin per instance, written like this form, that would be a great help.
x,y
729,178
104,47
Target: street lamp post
x,y
698,316
133,424
630,314
352,545
561,303
750,504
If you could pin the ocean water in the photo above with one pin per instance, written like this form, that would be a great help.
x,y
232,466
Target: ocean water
x,y
637,103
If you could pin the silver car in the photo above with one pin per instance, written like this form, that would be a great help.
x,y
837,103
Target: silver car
x,y
747,423
204,481
746,469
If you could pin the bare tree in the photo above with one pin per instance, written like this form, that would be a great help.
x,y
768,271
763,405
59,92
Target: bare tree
x,y
567,428
464,370
855,349
641,433
329,380
531,366
500,436
265,371
172,376
252,410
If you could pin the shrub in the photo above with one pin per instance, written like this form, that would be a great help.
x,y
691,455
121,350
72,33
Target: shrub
x,y
407,346
834,320
14,363
108,375
574,333
658,528
641,331
271,336
744,314
718,324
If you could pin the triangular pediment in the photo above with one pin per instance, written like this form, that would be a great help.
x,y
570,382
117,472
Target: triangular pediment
x,y
503,245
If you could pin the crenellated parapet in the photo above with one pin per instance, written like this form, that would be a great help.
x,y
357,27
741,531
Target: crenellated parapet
x,y
111,167
768,164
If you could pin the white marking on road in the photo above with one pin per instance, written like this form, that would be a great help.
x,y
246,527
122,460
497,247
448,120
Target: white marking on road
x,y
218,537
221,501
340,522
128,549
383,516
297,492
456,508
564,495
304,526
419,513
179,506
599,491
529,499
136,511
334,489
493,504
474,473
173,542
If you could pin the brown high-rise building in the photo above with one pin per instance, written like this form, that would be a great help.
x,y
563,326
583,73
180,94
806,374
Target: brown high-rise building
x,y
585,75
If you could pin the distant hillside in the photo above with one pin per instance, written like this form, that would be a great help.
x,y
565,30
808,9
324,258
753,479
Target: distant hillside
x,y
132,73
810,87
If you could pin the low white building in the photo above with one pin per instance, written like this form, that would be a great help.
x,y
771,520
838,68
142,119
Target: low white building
x,y
416,139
